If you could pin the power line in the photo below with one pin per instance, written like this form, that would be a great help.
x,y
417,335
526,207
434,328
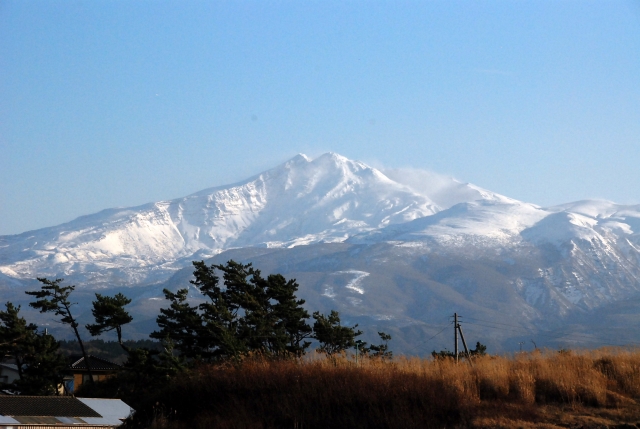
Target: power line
x,y
490,321
521,328
422,343
558,334
577,337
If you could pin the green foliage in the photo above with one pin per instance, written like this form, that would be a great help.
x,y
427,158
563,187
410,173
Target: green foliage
x,y
145,368
480,350
15,335
36,356
382,350
44,367
110,315
286,317
333,337
443,354
53,298
147,365
184,325
250,314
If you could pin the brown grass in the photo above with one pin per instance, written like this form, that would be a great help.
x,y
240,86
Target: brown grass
x,y
542,390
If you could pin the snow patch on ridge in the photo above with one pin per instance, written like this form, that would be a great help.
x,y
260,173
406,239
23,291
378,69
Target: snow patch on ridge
x,y
354,284
328,292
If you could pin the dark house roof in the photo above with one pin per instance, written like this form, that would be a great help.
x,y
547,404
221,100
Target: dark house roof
x,y
97,364
45,406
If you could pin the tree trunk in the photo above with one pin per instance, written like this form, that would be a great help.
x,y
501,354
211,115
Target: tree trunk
x,y
74,325
126,349
84,353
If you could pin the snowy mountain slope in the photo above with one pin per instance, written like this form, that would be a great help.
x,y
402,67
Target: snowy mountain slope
x,y
496,221
593,251
588,220
588,252
299,202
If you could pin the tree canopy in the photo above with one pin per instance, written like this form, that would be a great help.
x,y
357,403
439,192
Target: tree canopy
x,y
109,313
332,336
36,356
248,313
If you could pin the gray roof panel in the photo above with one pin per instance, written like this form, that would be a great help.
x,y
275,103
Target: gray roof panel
x,y
45,406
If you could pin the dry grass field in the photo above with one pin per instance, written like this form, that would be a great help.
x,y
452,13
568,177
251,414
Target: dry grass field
x,y
549,389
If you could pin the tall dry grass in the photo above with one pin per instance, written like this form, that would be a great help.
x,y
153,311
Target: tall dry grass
x,y
407,392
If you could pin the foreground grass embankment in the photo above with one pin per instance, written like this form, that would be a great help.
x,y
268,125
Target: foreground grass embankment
x,y
550,389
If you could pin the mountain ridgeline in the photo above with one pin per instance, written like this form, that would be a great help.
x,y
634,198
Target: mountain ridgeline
x,y
396,250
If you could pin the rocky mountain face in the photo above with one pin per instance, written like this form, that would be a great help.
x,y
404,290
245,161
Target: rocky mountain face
x,y
397,249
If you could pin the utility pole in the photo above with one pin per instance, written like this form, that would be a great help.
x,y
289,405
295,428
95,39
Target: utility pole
x,y
464,343
458,329
455,335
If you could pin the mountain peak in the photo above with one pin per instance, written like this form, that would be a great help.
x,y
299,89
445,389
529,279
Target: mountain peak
x,y
301,157
334,156
327,199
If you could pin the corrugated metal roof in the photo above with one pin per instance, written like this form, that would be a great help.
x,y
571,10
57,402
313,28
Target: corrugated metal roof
x,y
37,420
113,411
45,406
8,420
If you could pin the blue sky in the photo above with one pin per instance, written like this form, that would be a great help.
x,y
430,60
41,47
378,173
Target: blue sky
x,y
119,103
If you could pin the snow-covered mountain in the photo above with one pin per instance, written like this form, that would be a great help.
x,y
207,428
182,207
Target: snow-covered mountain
x,y
366,241
302,201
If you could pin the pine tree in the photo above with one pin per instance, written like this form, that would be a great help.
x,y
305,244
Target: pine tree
x,y
251,313
245,324
290,314
382,350
480,350
183,324
44,367
270,318
147,370
53,298
333,337
36,356
15,336
110,315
